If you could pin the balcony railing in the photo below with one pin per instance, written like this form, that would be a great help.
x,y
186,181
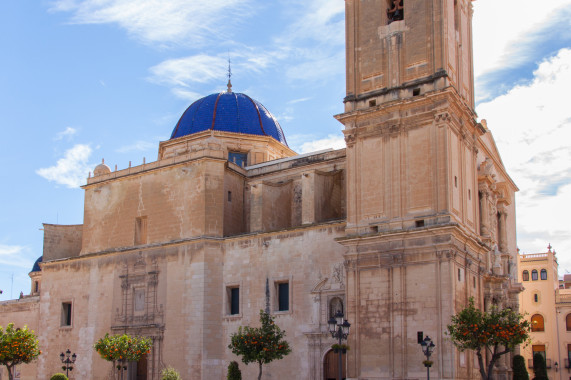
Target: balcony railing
x,y
547,363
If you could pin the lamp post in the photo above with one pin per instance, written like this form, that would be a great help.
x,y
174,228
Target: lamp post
x,y
67,359
339,328
427,348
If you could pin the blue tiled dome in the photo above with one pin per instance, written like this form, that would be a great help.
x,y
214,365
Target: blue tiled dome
x,y
229,112
36,267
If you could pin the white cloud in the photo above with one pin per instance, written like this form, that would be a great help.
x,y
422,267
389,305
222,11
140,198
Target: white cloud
x,y
331,141
501,26
139,146
13,255
181,72
317,20
532,127
165,22
300,100
68,132
72,169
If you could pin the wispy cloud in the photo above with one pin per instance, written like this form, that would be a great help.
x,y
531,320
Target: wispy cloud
x,y
522,40
331,141
72,169
532,126
68,132
137,146
181,72
300,100
13,255
164,23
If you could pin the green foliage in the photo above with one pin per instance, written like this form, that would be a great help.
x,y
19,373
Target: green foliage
x,y
519,368
17,346
123,347
539,367
234,372
59,376
497,331
520,371
260,345
170,373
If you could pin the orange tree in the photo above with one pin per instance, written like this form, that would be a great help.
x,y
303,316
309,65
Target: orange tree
x,y
122,347
497,332
260,344
17,346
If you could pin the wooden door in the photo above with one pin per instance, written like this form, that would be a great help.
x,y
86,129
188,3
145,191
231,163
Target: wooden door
x,y
331,366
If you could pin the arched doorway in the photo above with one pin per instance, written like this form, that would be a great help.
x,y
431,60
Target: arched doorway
x,y
331,366
142,368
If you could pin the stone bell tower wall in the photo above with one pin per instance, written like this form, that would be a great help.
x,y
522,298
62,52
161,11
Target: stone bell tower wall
x,y
430,49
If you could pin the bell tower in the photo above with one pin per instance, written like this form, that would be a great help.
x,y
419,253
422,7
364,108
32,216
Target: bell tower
x,y
409,118
419,215
398,49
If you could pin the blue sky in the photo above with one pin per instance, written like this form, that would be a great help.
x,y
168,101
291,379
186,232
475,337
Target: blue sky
x,y
92,79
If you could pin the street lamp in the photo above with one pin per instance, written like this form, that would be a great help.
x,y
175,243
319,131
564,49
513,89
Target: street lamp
x,y
68,359
427,348
339,328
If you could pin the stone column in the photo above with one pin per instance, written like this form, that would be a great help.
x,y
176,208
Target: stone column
x,y
256,203
308,198
502,229
484,212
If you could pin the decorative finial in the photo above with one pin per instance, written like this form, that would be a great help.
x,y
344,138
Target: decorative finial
x,y
549,247
229,74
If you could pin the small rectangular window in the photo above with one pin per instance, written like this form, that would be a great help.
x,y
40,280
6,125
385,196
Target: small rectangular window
x,y
238,158
416,92
234,300
283,296
538,349
229,196
141,230
419,223
535,298
66,314
372,103
459,274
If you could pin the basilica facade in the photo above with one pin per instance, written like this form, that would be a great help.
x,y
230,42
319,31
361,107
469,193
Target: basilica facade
x,y
397,230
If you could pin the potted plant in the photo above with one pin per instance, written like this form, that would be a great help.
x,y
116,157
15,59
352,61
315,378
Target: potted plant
x,y
343,347
427,363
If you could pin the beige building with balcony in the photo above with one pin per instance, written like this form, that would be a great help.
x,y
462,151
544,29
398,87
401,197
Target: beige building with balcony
x,y
397,230
547,305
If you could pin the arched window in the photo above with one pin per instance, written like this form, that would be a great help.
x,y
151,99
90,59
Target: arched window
x,y
335,305
525,275
395,11
568,322
537,323
534,275
544,274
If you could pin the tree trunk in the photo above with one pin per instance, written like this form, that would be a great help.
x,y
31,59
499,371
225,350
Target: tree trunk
x,y
482,366
10,375
260,374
